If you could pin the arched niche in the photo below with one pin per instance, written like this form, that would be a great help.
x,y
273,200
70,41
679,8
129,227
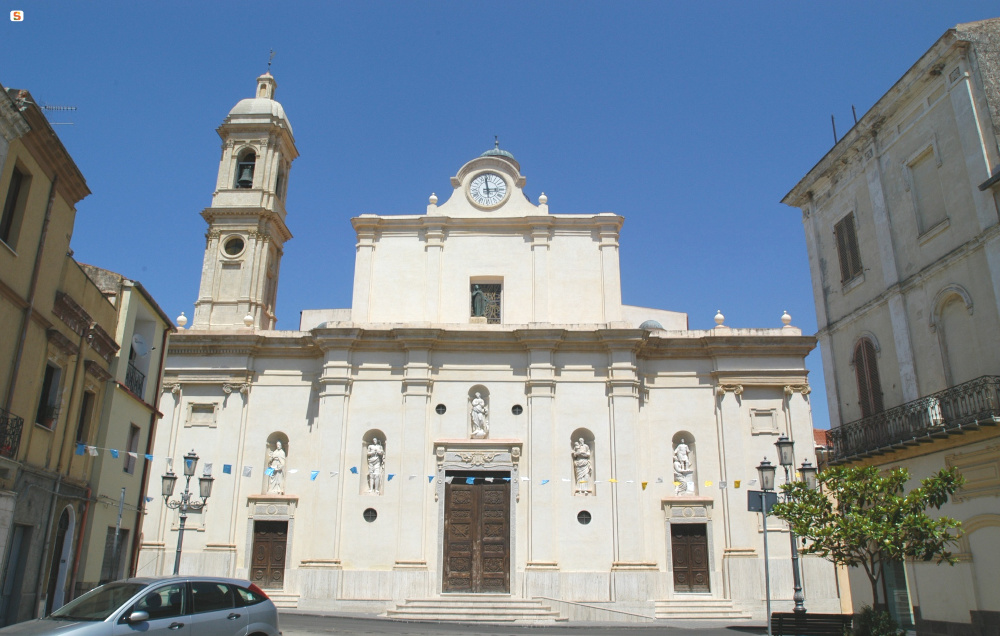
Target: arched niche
x,y
373,473
478,421
682,445
584,475
275,484
958,339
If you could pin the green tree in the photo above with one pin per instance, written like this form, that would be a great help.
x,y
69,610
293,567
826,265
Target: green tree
x,y
860,517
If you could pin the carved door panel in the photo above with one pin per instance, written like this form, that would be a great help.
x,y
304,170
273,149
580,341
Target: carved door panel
x,y
477,538
689,547
269,541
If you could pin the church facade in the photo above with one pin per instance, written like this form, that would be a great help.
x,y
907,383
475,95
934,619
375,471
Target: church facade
x,y
486,418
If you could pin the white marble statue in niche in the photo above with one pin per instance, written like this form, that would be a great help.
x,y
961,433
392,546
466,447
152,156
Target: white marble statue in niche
x,y
276,469
583,467
480,420
376,466
683,469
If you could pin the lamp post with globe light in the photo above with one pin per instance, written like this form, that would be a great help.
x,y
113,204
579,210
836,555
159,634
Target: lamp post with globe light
x,y
186,502
786,458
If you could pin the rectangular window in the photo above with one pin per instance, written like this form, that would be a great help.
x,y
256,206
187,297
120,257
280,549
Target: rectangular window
x,y
48,401
83,425
486,302
133,449
13,207
847,248
115,551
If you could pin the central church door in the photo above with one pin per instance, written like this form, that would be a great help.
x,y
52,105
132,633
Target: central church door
x,y
477,536
689,545
269,541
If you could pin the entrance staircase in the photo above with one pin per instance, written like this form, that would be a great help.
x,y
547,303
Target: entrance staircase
x,y
475,608
694,607
282,600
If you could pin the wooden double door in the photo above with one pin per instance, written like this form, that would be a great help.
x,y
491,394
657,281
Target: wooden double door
x,y
477,536
270,539
689,547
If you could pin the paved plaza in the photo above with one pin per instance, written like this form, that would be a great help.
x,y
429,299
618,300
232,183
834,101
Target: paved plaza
x,y
295,624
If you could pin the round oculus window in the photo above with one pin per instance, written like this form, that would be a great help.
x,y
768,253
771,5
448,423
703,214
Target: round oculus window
x,y
584,517
440,409
517,409
233,246
370,515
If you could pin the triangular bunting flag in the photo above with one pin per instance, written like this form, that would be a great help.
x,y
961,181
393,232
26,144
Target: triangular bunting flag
x,y
470,480
132,455
430,478
708,484
644,484
545,481
149,457
268,471
81,449
659,480
227,469
736,483
566,480
391,475
114,453
292,471
612,481
92,450
313,474
449,479
506,478
208,468
722,485
247,470
354,469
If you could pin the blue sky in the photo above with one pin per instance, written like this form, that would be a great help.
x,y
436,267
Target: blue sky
x,y
692,120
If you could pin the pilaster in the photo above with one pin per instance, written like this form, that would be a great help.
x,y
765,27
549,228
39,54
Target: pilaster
x,y
540,237
611,289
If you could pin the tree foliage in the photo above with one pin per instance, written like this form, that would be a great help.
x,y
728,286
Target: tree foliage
x,y
860,517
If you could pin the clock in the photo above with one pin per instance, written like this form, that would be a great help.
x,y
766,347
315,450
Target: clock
x,y
488,189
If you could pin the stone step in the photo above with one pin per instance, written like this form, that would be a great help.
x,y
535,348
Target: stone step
x,y
475,609
282,600
699,608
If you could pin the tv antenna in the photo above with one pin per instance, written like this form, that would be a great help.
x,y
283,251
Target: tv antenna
x,y
49,108
270,58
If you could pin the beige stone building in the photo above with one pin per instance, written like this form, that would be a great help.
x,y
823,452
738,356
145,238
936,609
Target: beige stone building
x,y
56,347
904,250
120,473
487,417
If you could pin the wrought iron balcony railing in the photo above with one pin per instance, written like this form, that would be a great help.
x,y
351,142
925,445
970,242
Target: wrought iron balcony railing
x,y
10,433
135,379
962,407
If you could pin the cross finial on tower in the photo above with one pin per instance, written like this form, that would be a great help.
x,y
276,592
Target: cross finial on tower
x,y
496,141
269,60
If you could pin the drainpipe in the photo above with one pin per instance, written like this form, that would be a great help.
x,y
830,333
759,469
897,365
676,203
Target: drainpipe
x,y
79,545
26,318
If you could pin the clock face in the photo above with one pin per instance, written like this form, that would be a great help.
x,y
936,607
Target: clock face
x,y
488,189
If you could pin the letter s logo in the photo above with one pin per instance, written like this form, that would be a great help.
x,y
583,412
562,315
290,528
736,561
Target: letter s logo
x,y
17,16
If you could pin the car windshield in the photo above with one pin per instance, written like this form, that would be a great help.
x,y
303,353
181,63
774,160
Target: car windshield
x,y
98,604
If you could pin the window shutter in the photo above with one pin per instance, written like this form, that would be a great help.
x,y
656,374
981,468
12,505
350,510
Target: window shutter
x,y
866,372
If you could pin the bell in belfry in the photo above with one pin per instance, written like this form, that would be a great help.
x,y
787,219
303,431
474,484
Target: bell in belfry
x,y
246,177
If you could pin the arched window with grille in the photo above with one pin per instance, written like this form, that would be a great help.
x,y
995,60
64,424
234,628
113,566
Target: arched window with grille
x,y
866,371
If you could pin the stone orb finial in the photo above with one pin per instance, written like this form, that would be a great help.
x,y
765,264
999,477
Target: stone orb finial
x,y
181,320
248,320
433,199
786,319
719,318
542,199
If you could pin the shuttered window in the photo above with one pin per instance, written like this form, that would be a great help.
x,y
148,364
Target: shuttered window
x,y
866,370
847,248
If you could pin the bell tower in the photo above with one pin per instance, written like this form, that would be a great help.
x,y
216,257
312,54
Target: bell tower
x,y
246,222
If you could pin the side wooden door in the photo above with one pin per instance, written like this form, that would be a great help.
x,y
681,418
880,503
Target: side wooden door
x,y
269,541
689,547
477,538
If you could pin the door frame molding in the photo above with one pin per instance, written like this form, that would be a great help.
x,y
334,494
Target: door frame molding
x,y
269,508
682,510
478,455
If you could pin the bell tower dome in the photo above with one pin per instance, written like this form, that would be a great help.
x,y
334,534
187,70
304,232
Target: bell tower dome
x,y
246,222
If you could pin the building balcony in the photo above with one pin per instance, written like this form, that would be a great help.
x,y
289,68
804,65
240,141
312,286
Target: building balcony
x,y
135,379
963,407
10,433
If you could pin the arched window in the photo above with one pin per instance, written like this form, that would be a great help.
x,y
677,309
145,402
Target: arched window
x,y
244,170
866,371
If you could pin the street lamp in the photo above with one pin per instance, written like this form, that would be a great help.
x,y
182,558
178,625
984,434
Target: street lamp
x,y
786,456
766,472
185,502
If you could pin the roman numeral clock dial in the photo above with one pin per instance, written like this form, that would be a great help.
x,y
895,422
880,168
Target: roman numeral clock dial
x,y
488,189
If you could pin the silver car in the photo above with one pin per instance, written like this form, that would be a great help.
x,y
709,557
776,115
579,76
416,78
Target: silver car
x,y
174,606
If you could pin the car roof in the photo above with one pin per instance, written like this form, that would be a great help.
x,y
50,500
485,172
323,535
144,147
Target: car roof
x,y
150,580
